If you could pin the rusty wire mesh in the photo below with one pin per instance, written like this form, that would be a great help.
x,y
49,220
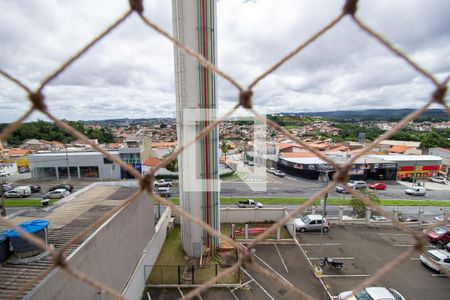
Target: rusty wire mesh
x,y
37,100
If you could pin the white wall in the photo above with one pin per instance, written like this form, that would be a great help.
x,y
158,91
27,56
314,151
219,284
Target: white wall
x,y
136,284
109,255
245,215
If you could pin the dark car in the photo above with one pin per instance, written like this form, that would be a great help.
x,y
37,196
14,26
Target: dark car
x,y
68,187
408,179
35,188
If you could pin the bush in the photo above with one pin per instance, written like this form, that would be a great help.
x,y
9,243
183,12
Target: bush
x,y
359,207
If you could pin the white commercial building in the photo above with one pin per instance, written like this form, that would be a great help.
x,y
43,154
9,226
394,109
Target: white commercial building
x,y
54,165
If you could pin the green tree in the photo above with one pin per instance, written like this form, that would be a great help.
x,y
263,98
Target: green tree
x,y
359,207
224,147
172,165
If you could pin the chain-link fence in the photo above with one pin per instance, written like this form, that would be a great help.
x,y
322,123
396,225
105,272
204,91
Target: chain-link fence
x,y
244,94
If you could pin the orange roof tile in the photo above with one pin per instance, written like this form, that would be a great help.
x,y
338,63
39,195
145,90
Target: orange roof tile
x,y
164,145
282,146
298,154
19,152
400,149
152,161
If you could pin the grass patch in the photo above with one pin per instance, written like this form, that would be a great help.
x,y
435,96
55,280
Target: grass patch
x,y
171,265
26,202
330,201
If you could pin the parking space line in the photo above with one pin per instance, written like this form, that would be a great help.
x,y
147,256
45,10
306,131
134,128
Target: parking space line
x,y
282,260
232,293
272,269
257,283
346,275
438,275
341,258
382,233
242,285
325,287
181,292
323,244
409,245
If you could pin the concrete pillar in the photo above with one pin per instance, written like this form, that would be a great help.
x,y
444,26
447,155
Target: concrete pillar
x,y
313,210
341,214
395,213
246,232
279,233
420,217
195,24
368,214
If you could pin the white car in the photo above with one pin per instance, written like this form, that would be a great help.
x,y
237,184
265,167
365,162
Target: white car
x,y
438,180
416,191
372,293
358,184
279,173
271,170
311,223
436,259
58,194
440,218
13,194
4,174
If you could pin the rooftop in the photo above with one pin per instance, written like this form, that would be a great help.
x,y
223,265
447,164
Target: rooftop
x,y
66,220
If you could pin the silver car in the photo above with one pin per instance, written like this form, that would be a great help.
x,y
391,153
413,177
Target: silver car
x,y
311,223
436,259
58,194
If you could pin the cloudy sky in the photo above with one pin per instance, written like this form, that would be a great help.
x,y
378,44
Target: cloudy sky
x,y
130,73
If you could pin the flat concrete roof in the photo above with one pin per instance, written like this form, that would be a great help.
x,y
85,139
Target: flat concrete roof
x,y
72,153
407,157
65,222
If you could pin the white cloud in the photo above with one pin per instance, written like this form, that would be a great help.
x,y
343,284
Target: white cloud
x,y
130,72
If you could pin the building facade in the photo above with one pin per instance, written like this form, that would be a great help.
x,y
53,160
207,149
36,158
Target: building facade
x,y
65,165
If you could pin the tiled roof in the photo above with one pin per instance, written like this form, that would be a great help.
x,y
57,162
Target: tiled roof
x,y
152,161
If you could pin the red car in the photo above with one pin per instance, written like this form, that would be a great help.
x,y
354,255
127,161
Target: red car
x,y
439,235
378,186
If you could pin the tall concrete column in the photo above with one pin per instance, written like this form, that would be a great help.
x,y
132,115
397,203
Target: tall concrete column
x,y
194,24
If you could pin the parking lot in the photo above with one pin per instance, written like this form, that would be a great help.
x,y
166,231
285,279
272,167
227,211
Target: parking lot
x,y
364,250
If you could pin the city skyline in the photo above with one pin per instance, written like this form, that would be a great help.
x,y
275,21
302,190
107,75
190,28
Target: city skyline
x,y
129,74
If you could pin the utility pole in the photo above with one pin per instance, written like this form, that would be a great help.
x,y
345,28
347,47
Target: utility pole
x,y
3,208
67,161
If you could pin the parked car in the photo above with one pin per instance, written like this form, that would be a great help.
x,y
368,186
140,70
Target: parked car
x,y
4,173
341,189
67,187
58,194
163,191
14,194
436,259
251,163
163,183
279,173
378,218
408,219
311,223
448,247
35,188
416,191
250,203
408,179
24,170
271,170
358,184
440,218
439,235
440,180
372,293
378,186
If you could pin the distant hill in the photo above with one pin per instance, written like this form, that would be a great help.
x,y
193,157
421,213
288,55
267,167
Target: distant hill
x,y
376,115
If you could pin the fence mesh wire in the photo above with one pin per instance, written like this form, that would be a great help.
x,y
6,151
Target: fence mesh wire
x,y
244,96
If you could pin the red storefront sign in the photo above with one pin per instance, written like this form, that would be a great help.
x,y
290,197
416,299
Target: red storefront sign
x,y
419,168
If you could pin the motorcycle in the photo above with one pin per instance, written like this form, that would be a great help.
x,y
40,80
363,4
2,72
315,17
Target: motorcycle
x,y
329,261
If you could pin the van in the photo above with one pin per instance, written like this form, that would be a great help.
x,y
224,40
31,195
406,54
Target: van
x,y
24,191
